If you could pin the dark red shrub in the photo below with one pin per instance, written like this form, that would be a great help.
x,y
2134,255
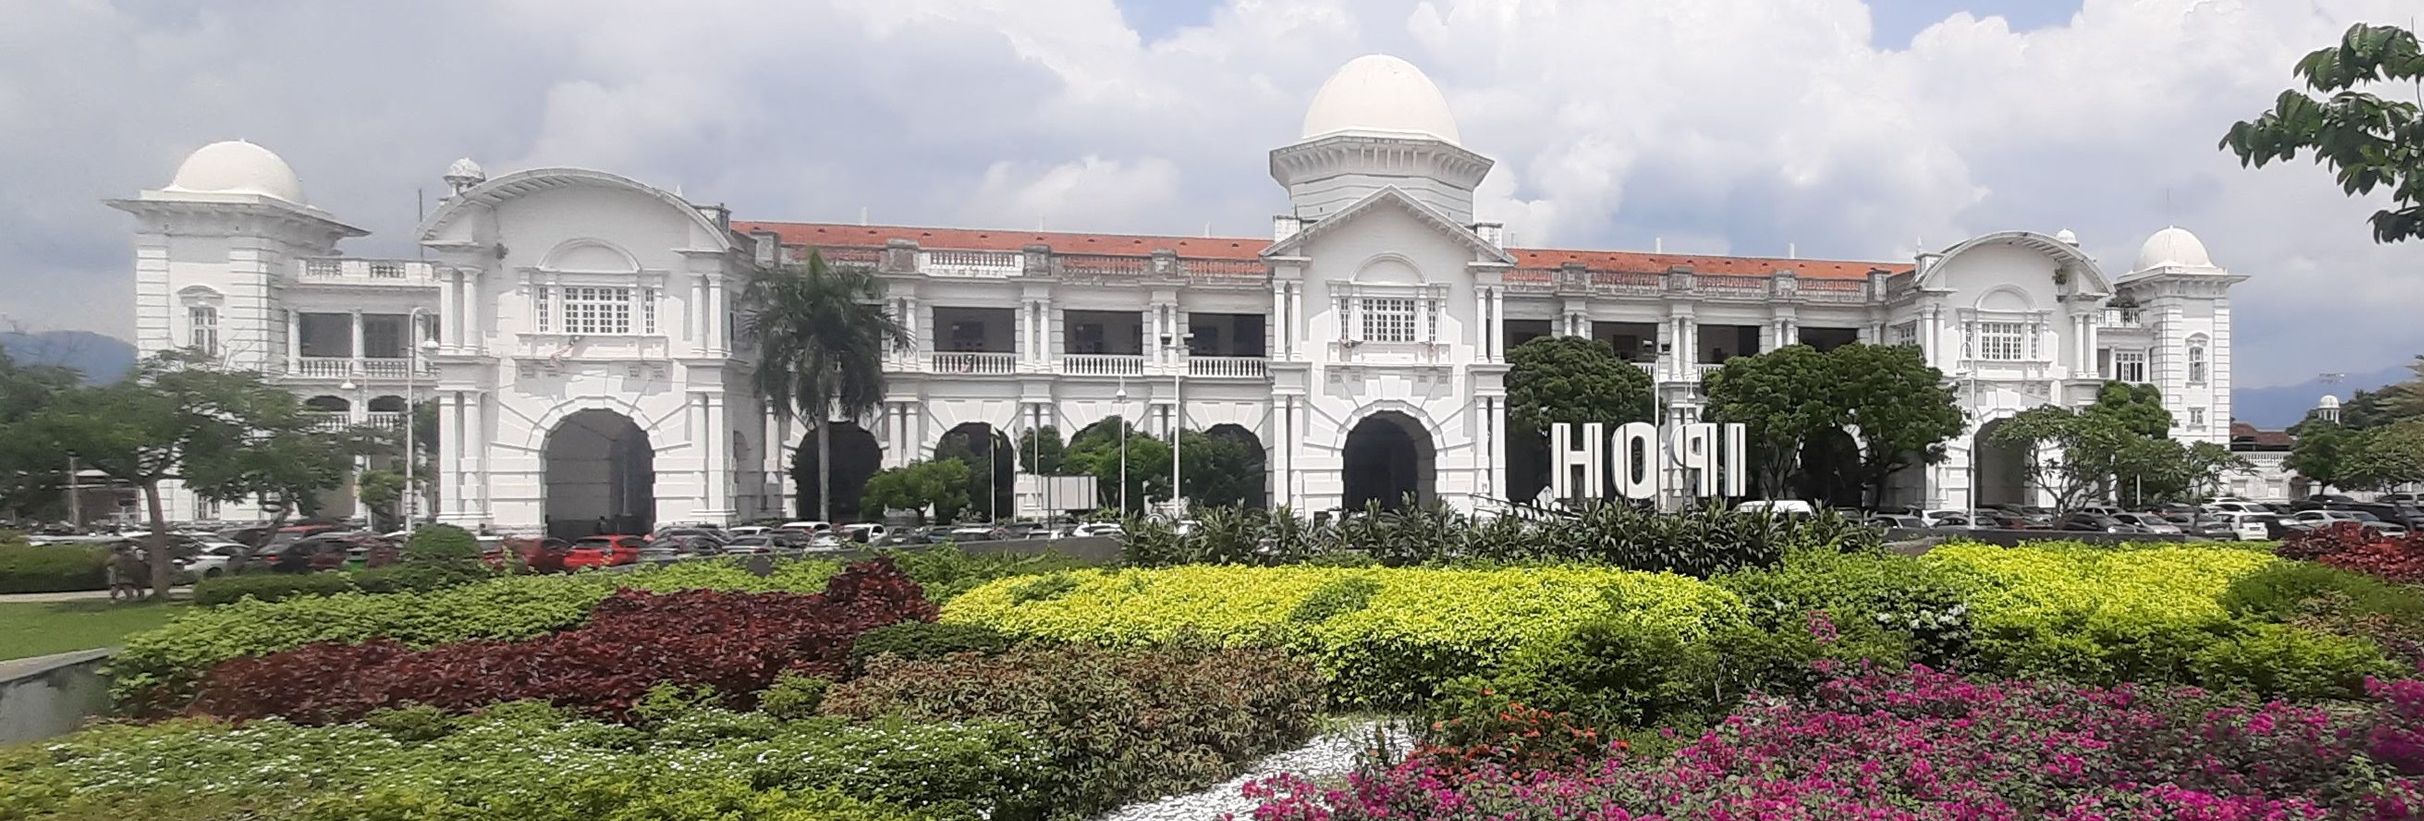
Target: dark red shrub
x,y
735,643
2355,547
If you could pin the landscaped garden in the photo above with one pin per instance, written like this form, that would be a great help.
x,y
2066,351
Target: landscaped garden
x,y
1615,666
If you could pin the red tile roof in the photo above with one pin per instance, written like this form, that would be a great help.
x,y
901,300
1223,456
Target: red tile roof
x,y
834,235
2245,433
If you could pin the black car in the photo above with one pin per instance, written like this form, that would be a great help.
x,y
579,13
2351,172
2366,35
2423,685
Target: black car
x,y
2096,523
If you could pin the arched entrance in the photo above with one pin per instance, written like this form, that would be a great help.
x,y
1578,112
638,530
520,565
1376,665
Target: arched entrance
x,y
1226,469
856,456
2000,471
1829,469
992,464
1388,458
601,476
1095,450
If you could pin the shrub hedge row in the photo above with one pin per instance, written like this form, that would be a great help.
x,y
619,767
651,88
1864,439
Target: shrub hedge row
x,y
26,568
1383,637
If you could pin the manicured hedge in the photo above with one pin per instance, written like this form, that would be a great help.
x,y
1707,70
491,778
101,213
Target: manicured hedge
x,y
732,644
1117,724
270,587
528,763
1387,647
26,568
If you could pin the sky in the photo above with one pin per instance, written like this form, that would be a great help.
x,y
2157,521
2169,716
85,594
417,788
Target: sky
x,y
1834,127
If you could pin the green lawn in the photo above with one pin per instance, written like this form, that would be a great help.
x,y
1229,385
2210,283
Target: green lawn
x,y
43,628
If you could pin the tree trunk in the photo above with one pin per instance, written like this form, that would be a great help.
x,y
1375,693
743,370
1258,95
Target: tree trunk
x,y
158,543
824,468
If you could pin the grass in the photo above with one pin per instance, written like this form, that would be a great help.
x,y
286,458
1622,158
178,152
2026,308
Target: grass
x,y
41,628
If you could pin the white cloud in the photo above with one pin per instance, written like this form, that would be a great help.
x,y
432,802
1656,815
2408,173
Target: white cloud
x,y
1718,125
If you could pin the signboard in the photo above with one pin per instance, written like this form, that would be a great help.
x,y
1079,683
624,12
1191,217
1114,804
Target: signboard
x,y
1638,461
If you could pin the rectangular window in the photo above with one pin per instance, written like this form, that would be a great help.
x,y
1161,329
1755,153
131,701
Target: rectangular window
x,y
2129,366
648,309
538,306
596,310
1906,333
204,336
2001,341
1388,319
2196,417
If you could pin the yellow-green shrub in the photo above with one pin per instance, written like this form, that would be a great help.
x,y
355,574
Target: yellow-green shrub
x,y
1418,626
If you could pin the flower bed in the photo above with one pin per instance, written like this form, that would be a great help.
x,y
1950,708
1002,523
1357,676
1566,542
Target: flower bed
x,y
1382,636
733,644
2352,546
1925,745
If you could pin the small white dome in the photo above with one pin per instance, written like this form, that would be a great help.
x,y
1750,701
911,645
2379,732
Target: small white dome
x,y
2329,402
466,169
2173,246
2065,237
1380,95
237,167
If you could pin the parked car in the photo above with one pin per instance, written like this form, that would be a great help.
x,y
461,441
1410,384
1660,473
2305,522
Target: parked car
x,y
691,532
2402,498
2092,522
1777,507
670,548
214,559
1890,521
603,551
2250,527
2100,510
807,526
746,530
974,533
865,532
1111,529
2148,523
2315,517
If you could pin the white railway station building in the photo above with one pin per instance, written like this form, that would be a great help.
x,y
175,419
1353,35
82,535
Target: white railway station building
x,y
576,330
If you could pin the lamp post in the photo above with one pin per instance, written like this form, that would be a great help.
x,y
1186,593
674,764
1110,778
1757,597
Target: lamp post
x,y
1178,418
355,391
1120,401
412,369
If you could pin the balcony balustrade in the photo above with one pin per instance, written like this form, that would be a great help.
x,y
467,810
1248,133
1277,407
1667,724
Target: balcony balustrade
x,y
1103,364
1232,367
343,367
974,363
330,421
970,264
322,367
366,271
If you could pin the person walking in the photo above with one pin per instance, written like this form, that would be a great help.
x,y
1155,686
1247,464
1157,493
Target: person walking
x,y
127,573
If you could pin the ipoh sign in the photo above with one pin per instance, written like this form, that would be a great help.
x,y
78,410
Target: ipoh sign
x,y
1638,460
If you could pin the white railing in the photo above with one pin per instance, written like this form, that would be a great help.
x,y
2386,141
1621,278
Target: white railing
x,y
1239,367
986,363
1650,368
1103,364
383,419
2117,318
1729,285
977,264
328,367
395,271
388,368
1844,291
329,420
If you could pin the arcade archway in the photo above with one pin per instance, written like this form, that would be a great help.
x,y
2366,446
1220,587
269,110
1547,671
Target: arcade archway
x,y
1999,471
600,476
1228,470
992,466
856,457
1389,459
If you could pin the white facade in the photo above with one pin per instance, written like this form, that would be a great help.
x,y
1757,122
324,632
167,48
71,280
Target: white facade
x,y
565,303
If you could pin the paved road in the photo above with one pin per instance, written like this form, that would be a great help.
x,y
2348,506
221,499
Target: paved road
x,y
81,595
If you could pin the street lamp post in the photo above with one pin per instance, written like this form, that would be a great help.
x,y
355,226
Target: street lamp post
x,y
412,370
1120,401
356,391
1178,419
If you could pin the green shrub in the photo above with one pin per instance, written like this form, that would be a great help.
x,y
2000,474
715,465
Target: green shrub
x,y
1042,588
419,578
270,587
947,571
157,669
442,544
794,696
1418,628
919,640
412,723
1338,597
2288,590
26,568
526,765
1119,724
2279,661
1925,600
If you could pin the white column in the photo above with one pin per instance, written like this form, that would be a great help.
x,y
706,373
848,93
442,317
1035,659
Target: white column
x,y
449,467
356,314
294,339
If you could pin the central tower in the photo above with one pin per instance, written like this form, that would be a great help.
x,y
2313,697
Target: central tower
x,y
1377,123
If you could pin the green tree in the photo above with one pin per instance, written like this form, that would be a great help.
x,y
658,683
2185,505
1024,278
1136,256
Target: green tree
x,y
940,485
1783,398
820,333
31,476
2137,408
1898,407
380,490
2071,455
1095,452
2389,456
177,417
2326,452
1220,471
2368,141
990,469
1574,379
1041,451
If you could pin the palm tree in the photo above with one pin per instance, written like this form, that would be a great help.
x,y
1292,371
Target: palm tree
x,y
820,333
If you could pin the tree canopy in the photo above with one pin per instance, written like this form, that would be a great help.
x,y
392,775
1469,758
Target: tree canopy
x,y
1574,379
820,334
2369,141
1898,407
940,485
30,475
1783,398
2137,408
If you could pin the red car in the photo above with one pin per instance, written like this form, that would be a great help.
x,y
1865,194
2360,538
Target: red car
x,y
603,551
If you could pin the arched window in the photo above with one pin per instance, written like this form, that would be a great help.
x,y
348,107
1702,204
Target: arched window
x,y
2196,360
203,329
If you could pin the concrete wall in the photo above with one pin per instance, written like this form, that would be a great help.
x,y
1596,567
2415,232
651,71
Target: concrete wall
x,y
52,695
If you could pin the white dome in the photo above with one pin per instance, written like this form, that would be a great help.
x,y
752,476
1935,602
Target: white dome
x,y
466,169
1380,95
2173,246
237,167
2329,402
2065,237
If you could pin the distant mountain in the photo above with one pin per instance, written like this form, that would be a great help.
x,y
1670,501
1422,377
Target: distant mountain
x,y
2282,406
101,358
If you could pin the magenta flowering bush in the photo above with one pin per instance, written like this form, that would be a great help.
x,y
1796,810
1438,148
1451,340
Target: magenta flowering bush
x,y
1926,745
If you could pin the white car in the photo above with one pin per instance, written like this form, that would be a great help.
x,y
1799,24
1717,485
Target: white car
x,y
807,526
865,532
2247,527
1098,529
2151,523
2236,506
214,559
1780,507
748,530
